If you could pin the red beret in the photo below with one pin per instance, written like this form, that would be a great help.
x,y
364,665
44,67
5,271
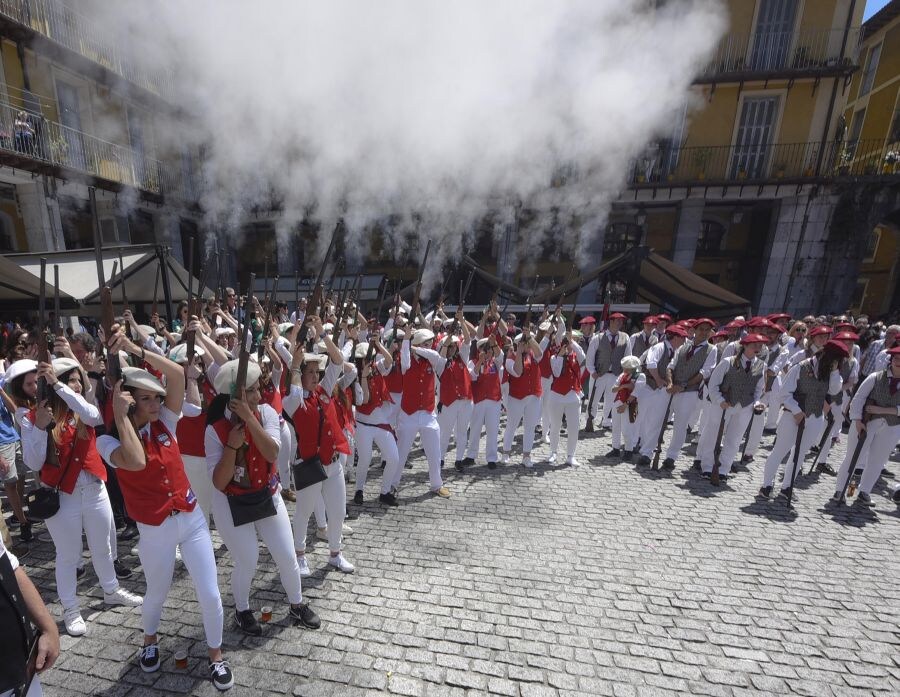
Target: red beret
x,y
735,324
617,315
894,351
663,318
846,336
704,320
844,326
819,330
676,330
650,319
588,320
779,316
754,339
720,335
755,322
834,347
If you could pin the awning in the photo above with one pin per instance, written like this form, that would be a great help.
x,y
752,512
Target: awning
x,y
369,286
78,274
21,288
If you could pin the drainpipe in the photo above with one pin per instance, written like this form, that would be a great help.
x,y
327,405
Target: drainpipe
x,y
834,88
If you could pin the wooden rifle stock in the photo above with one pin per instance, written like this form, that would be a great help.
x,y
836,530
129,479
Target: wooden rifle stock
x,y
316,296
154,308
43,346
189,337
57,322
418,292
243,351
270,301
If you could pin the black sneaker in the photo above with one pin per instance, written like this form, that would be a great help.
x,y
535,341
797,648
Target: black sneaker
x,y
764,493
643,460
129,532
814,449
358,497
615,452
305,616
388,500
492,465
787,495
825,468
122,571
589,426
705,475
746,459
863,499
696,466
442,464
149,656
25,533
468,461
221,675
668,464
459,465
627,456
247,622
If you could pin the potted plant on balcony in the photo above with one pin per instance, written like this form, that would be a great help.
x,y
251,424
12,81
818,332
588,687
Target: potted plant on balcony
x,y
59,150
700,159
779,170
891,158
844,161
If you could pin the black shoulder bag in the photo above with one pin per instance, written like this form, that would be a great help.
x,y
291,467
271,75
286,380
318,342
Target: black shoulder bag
x,y
254,505
43,502
311,471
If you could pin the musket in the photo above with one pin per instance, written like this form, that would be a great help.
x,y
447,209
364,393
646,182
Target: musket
x,y
860,442
43,346
714,477
384,287
126,323
829,424
242,473
662,433
154,309
270,302
418,292
800,428
396,314
189,336
316,295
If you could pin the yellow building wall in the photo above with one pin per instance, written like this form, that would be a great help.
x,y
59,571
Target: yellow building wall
x,y
879,272
889,61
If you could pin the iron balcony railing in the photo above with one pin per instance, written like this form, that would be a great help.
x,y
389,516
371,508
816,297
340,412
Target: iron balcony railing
x,y
73,30
52,143
697,165
809,50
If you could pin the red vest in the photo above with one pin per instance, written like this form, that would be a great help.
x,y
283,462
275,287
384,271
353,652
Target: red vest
x,y
529,383
162,486
395,377
261,473
544,364
378,394
271,395
456,383
418,387
74,454
622,394
345,413
191,430
569,379
487,386
319,407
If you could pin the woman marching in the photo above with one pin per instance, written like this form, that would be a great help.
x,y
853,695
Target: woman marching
x,y
242,447
143,448
524,403
75,468
487,374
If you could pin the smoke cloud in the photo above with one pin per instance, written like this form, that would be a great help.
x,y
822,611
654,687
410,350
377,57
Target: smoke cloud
x,y
421,116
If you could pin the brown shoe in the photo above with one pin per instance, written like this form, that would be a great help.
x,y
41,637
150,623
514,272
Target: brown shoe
x,y
289,495
443,492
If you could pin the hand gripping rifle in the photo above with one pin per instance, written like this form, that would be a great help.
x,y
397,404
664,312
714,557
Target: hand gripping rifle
x,y
43,356
270,302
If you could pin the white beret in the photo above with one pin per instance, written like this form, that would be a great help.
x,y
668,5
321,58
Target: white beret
x,y
26,365
225,381
179,353
420,336
141,379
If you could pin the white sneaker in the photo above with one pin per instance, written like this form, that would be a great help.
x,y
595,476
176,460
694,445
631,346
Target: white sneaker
x,y
552,459
177,552
322,534
346,530
304,566
572,462
504,458
74,622
526,461
339,562
120,596
546,440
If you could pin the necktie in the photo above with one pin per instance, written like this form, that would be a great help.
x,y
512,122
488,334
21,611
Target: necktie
x,y
747,367
612,340
895,383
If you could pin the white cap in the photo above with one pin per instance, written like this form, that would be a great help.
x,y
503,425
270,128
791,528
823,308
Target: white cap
x,y
388,334
631,363
179,353
147,329
64,365
224,331
362,348
319,359
544,326
225,381
285,327
420,336
26,365
141,379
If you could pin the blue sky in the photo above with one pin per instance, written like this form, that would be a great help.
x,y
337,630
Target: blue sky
x,y
872,6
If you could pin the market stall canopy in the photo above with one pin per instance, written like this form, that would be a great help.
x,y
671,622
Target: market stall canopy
x,y
78,274
20,288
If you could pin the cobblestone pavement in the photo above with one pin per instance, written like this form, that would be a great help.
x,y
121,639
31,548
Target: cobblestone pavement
x,y
603,579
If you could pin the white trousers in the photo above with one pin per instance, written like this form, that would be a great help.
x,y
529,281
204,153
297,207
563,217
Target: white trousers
x,y
86,508
652,410
564,405
201,482
622,428
243,545
526,411
880,442
603,390
395,409
334,491
757,423
485,413
545,405
504,394
774,401
736,420
426,426
454,419
366,436
286,454
685,406
156,549
785,442
34,690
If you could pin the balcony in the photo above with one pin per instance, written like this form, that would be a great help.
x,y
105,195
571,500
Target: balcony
x,y
32,142
809,52
74,31
788,163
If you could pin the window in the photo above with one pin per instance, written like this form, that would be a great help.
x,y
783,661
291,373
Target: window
x,y
7,234
868,76
754,136
620,237
709,239
894,135
855,130
872,245
774,34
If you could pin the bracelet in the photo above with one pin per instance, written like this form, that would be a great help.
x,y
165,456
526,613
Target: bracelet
x,y
231,447
143,354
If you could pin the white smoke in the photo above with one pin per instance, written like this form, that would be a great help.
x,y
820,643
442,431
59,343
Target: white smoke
x,y
432,111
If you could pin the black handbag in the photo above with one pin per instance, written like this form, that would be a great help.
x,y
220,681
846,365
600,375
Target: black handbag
x,y
43,502
310,471
248,508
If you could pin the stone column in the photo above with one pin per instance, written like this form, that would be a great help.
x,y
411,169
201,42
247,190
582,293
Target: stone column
x,y
40,213
687,231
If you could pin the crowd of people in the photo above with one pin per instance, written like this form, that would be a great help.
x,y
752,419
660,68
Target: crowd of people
x,y
190,436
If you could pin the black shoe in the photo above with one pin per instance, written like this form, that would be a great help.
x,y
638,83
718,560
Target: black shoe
x,y
643,460
627,456
764,493
615,452
129,532
247,622
122,571
79,572
388,499
814,449
769,430
723,478
468,461
492,465
350,515
459,464
705,475
25,533
746,459
589,426
149,658
442,464
221,675
668,464
358,497
696,465
827,469
305,616
786,495
20,549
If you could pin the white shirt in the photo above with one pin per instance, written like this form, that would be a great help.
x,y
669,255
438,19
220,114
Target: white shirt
x,y
214,447
107,445
438,362
34,440
718,375
862,394
296,397
789,385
